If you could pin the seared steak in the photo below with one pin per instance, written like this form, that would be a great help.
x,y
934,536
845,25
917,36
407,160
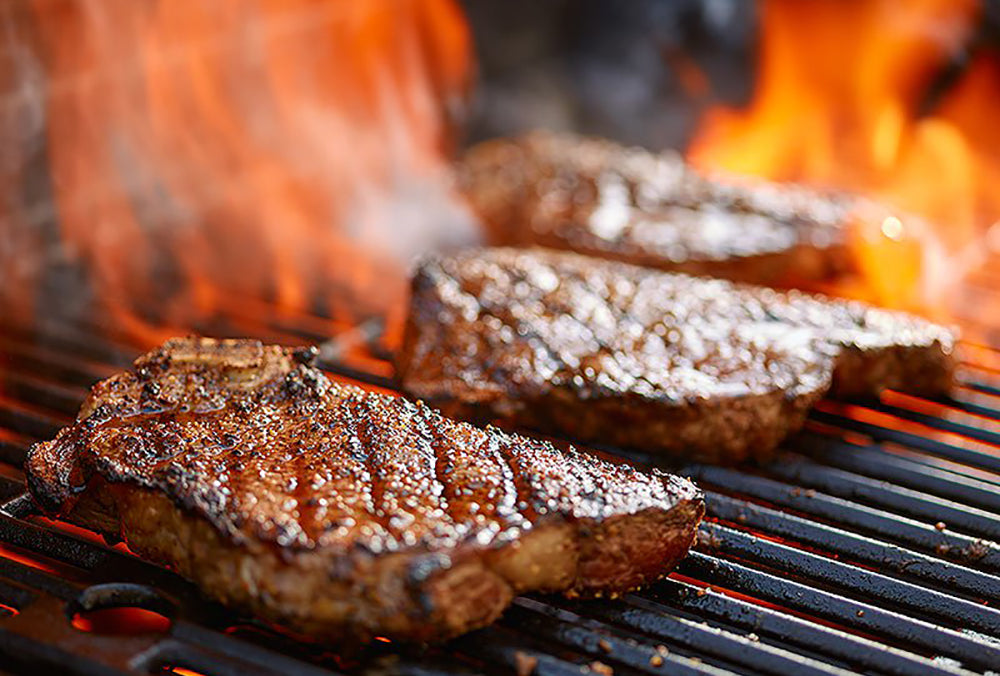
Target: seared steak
x,y
596,197
343,513
665,362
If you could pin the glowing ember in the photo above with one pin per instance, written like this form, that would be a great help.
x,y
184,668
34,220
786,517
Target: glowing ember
x,y
121,621
205,152
841,102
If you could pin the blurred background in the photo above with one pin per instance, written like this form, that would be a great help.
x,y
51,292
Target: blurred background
x,y
170,166
638,72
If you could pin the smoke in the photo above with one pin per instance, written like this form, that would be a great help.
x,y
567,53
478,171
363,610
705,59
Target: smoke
x,y
198,153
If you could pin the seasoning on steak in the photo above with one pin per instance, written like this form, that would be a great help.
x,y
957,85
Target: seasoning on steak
x,y
595,197
343,513
665,362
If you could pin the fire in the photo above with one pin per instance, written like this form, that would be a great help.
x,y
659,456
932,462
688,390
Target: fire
x,y
847,99
199,153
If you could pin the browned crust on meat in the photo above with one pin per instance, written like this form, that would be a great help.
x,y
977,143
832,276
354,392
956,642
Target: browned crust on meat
x,y
927,370
387,595
485,341
711,430
558,190
429,550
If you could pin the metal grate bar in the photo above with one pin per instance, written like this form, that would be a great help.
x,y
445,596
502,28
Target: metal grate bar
x,y
595,640
936,422
899,500
495,645
852,649
980,386
29,421
697,636
928,638
971,407
883,555
966,456
55,397
232,651
52,544
984,554
56,365
853,580
34,578
66,339
875,462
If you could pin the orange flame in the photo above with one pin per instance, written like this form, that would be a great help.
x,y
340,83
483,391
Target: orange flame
x,y
292,151
840,103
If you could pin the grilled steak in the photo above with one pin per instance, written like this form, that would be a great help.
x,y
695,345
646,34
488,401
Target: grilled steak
x,y
596,197
343,513
660,361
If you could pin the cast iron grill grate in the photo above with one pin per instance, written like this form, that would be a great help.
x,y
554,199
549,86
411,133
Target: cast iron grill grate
x,y
871,546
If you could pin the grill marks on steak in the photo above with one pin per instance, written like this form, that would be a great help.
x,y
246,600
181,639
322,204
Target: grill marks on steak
x,y
664,362
595,197
340,512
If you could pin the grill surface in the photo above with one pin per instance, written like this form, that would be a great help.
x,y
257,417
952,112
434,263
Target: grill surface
x,y
871,546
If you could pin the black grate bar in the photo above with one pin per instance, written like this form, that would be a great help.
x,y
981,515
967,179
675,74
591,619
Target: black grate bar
x,y
927,637
697,636
884,555
875,462
169,654
18,506
869,584
51,395
597,641
37,579
970,407
858,651
10,490
900,500
66,339
963,403
965,456
51,543
935,422
13,448
56,365
14,595
228,650
38,656
984,554
495,645
978,386
29,421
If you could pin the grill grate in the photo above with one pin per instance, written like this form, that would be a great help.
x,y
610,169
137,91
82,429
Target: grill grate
x,y
871,546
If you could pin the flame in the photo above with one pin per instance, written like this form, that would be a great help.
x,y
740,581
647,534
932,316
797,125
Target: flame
x,y
199,153
845,100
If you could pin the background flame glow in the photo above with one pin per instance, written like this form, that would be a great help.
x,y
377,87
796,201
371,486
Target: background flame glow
x,y
287,150
844,100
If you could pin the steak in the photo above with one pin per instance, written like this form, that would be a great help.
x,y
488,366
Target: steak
x,y
664,362
342,513
595,197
